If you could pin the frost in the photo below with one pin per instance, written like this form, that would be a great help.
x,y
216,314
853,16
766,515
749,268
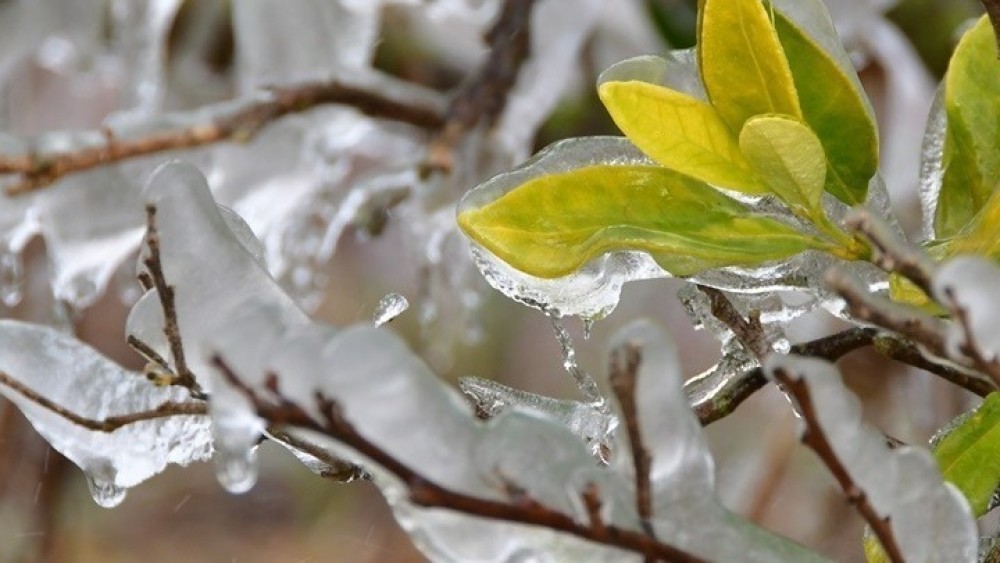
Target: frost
x,y
929,518
77,378
970,283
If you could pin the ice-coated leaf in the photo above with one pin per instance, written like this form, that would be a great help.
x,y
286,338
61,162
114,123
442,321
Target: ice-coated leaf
x,y
77,378
789,158
835,107
969,455
930,519
552,225
971,163
980,236
742,64
970,283
686,511
679,132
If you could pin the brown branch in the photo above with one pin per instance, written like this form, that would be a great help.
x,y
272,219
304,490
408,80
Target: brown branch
x,y
111,423
338,470
37,171
482,98
424,492
147,352
712,399
171,330
748,331
993,11
989,366
892,254
909,354
624,372
816,439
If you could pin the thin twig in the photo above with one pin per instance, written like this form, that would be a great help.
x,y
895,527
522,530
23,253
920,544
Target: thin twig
x,y
748,331
111,423
171,329
816,439
970,348
147,352
712,399
624,372
39,170
892,254
424,492
338,469
483,97
908,353
993,11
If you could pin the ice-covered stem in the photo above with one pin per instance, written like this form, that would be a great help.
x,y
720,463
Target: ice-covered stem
x,y
969,347
993,11
890,252
713,399
181,375
816,439
36,171
907,353
111,423
522,509
481,99
749,332
147,351
584,381
912,323
624,370
339,470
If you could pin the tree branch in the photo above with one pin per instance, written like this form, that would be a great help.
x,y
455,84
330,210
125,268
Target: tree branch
x,y
907,353
989,366
36,171
624,371
748,331
892,254
816,439
424,492
482,98
111,423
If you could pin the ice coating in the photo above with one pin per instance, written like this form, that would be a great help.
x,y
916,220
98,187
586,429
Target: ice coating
x,y
388,308
930,519
77,378
686,511
677,70
970,283
931,164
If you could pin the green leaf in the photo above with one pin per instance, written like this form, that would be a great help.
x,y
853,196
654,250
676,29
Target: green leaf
x,y
552,225
789,158
981,236
836,111
969,456
680,132
742,63
971,160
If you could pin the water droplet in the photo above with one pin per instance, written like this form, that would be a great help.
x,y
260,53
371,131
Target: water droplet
x,y
105,492
390,307
236,470
11,277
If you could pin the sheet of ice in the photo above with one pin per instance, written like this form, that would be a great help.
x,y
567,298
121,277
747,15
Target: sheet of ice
x,y
74,376
930,519
971,282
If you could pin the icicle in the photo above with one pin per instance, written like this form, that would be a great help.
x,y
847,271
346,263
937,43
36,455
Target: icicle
x,y
11,276
390,307
588,327
583,379
106,494
236,468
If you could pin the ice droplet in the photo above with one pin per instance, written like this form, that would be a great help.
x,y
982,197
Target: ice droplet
x,y
390,307
11,277
236,470
106,494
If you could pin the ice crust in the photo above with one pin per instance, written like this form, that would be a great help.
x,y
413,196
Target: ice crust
x,y
74,376
930,519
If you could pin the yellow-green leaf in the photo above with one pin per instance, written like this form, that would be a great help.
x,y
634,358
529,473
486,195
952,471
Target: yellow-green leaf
x,y
789,158
969,456
971,160
742,63
834,108
552,225
680,132
980,236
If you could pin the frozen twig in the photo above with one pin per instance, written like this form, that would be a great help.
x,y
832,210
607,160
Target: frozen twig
x,y
111,423
969,347
816,439
907,353
338,469
713,399
423,492
624,370
182,375
890,253
749,332
36,171
481,99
